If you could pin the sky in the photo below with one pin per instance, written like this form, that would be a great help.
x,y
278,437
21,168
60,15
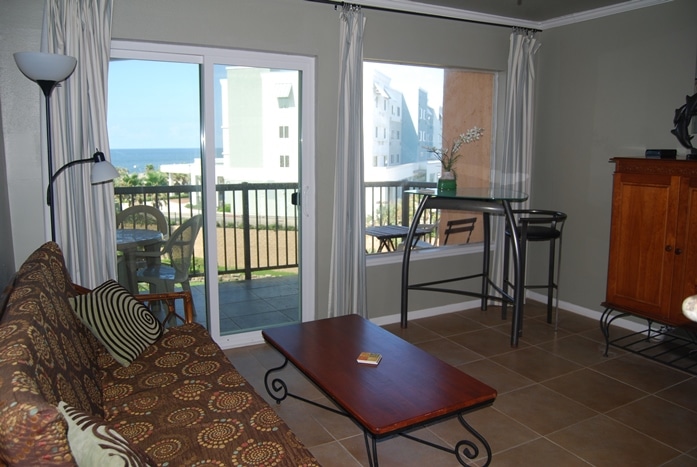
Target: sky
x,y
160,111
156,104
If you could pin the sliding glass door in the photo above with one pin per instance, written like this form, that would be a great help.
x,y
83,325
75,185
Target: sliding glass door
x,y
249,117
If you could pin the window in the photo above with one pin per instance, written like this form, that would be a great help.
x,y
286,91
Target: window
x,y
283,132
285,161
429,106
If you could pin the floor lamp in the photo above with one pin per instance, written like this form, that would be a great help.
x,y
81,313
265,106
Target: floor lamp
x,y
47,70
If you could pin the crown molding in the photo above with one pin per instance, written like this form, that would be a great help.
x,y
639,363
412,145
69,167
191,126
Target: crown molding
x,y
446,12
455,13
600,13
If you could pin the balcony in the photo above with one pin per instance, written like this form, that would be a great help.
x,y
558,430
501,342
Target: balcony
x,y
258,238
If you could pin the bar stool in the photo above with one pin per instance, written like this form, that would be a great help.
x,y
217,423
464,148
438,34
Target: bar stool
x,y
460,226
537,225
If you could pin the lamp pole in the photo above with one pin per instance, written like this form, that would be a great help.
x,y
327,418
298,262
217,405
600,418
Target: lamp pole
x,y
47,88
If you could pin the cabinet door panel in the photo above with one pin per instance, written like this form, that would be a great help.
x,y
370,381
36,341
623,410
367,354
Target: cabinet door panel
x,y
685,276
644,221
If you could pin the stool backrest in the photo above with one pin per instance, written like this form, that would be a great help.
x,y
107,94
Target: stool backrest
x,y
460,226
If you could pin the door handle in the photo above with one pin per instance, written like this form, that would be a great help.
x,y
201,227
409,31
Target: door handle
x,y
294,199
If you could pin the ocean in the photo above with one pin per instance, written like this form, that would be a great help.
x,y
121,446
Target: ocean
x,y
135,160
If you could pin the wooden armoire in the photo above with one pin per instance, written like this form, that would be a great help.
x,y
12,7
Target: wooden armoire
x,y
653,239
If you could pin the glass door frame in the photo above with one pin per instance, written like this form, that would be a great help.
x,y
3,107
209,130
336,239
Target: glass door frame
x,y
306,67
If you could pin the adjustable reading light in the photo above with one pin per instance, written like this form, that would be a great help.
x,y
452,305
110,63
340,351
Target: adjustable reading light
x,y
102,172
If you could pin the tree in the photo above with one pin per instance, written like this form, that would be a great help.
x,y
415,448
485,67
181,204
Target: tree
x,y
151,177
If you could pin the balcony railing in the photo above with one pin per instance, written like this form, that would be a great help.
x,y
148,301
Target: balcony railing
x,y
257,223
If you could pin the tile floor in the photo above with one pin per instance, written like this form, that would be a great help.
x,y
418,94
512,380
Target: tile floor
x,y
252,304
560,401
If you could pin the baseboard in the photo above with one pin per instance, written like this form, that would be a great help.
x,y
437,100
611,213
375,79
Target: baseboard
x,y
621,322
440,310
427,312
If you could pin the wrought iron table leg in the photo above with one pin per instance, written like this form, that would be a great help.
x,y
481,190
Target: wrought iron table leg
x,y
464,450
468,448
606,320
405,260
518,287
276,388
605,328
371,447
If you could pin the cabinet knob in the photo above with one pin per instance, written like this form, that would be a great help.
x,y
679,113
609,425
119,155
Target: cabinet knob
x,y
669,248
678,251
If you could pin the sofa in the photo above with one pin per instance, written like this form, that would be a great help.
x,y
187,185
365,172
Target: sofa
x,y
69,395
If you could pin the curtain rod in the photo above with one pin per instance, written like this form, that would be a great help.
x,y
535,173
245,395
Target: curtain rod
x,y
416,13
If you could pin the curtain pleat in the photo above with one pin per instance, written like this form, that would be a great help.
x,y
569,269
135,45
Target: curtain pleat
x,y
347,280
85,224
512,169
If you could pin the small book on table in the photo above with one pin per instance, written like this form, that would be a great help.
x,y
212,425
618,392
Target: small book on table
x,y
369,358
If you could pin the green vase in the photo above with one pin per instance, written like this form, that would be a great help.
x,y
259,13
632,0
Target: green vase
x,y
447,182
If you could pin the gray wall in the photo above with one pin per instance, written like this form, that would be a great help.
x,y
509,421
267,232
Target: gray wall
x,y
20,175
596,100
607,87
7,260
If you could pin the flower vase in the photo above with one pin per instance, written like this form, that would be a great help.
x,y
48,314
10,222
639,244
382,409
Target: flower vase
x,y
447,182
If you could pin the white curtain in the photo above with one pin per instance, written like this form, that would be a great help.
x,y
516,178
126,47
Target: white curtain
x,y
347,293
85,225
512,169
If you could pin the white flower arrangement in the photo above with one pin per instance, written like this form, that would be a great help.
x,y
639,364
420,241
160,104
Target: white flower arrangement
x,y
448,156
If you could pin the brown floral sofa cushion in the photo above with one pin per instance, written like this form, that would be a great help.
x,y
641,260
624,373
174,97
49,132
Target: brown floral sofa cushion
x,y
46,355
182,402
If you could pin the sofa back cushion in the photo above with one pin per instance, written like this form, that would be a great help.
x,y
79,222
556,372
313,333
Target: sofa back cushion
x,y
46,355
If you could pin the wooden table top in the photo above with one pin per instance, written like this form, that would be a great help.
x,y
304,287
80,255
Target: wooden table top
x,y
407,388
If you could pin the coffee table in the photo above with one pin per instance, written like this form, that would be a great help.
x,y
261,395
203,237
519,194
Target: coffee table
x,y
408,389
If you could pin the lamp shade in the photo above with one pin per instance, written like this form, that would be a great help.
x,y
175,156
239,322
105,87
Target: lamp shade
x,y
103,171
40,66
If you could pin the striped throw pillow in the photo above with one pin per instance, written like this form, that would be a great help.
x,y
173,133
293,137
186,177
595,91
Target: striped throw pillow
x,y
121,323
94,443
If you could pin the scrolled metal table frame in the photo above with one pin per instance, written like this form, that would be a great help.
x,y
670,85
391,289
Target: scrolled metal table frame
x,y
464,449
489,201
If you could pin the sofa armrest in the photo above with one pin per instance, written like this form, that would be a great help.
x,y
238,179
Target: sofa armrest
x,y
5,296
168,297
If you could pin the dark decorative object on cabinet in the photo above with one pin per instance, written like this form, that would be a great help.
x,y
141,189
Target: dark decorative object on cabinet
x,y
682,118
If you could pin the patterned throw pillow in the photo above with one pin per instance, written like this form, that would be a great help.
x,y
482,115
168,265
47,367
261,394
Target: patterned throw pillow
x,y
121,323
94,443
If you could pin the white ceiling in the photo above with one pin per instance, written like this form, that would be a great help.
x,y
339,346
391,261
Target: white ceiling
x,y
540,14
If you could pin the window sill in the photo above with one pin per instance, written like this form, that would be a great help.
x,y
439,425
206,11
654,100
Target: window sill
x,y
395,257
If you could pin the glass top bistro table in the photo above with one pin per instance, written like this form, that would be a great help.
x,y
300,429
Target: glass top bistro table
x,y
488,200
128,241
